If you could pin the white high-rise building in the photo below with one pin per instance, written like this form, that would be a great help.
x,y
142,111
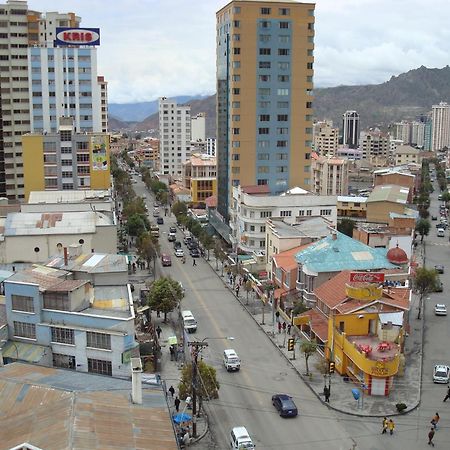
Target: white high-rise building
x,y
418,134
402,131
325,138
440,127
350,132
174,136
198,128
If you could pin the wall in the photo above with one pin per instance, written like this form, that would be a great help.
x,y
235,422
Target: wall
x,y
378,212
33,164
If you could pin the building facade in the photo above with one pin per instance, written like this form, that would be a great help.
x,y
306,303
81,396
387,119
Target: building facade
x,y
326,138
350,129
264,97
200,176
175,136
330,175
440,126
66,159
375,145
198,127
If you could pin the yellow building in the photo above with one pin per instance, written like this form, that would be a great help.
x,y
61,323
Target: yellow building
x,y
66,160
200,176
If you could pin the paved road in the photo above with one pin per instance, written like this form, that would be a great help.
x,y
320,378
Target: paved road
x,y
245,396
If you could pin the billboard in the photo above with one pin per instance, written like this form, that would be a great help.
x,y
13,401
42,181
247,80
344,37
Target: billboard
x,y
77,36
99,153
366,277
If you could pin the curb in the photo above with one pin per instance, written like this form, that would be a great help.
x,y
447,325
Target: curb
x,y
199,438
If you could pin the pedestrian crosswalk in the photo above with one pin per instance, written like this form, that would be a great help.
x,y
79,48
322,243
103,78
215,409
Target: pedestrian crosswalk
x,y
442,244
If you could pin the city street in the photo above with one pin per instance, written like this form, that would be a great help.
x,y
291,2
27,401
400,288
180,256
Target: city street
x,y
245,396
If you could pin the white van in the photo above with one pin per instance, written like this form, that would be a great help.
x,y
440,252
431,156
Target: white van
x,y
440,232
240,439
189,322
231,360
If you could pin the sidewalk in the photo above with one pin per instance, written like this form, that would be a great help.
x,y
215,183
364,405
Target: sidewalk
x,y
406,389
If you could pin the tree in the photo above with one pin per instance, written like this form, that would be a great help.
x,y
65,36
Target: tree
x,y
207,386
424,282
308,349
424,213
248,288
162,197
207,242
423,228
179,209
136,225
446,197
165,295
346,226
148,249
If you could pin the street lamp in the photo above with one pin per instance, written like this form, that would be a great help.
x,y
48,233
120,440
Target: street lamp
x,y
196,348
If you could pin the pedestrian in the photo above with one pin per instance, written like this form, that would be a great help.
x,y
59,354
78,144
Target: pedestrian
x,y
158,313
177,404
391,427
158,331
289,329
435,420
326,393
194,262
448,394
284,327
172,352
431,436
172,390
237,291
279,327
385,425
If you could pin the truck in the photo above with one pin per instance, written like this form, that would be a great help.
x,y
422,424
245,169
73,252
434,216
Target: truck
x,y
154,230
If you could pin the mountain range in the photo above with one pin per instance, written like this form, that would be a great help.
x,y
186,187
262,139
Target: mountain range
x,y
405,96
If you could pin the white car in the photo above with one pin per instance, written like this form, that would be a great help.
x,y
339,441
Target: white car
x,y
441,373
179,253
440,310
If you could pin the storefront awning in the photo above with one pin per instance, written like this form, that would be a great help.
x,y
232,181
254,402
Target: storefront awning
x,y
21,351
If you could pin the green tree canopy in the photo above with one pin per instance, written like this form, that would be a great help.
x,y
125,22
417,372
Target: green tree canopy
x,y
308,349
424,283
207,387
165,295
207,242
136,225
179,208
148,247
346,226
423,228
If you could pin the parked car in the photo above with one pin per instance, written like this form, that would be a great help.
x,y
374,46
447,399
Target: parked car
x,y
171,237
176,244
439,268
438,287
441,373
440,232
440,309
166,260
284,405
156,212
173,230
160,221
179,253
195,252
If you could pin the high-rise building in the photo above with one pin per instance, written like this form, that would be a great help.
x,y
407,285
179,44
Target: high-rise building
x,y
325,138
417,134
402,131
264,63
330,175
440,126
350,129
375,145
174,136
198,128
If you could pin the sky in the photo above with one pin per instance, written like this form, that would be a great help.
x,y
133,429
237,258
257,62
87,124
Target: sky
x,y
153,48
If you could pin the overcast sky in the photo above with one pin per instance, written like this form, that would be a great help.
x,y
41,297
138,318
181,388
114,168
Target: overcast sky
x,y
152,48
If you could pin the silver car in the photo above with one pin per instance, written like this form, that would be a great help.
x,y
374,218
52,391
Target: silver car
x,y
441,373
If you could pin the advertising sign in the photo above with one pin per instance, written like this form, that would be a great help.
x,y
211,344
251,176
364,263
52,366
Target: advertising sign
x,y
366,293
366,277
77,36
99,153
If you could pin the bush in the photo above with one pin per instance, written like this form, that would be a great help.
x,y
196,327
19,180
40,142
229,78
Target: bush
x,y
400,407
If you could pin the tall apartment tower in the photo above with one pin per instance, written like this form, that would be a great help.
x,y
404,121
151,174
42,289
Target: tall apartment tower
x,y
264,57
325,138
42,80
175,136
198,127
350,132
440,126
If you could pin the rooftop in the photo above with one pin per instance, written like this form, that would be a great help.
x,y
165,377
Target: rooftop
x,y
406,150
350,199
286,260
251,190
389,193
316,227
66,409
91,263
342,253
202,160
86,196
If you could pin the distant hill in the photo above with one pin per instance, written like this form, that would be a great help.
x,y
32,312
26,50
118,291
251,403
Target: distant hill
x,y
402,97
115,124
137,112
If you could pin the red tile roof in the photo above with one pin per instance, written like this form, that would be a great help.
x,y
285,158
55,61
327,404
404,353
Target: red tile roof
x,y
211,202
318,323
332,292
255,189
286,260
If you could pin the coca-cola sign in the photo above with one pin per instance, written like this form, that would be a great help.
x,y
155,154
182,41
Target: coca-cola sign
x,y
366,277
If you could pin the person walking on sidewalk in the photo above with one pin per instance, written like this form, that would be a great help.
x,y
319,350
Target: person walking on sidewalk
x,y
237,290
326,393
391,427
435,420
172,391
194,262
177,404
158,331
431,436
448,394
384,426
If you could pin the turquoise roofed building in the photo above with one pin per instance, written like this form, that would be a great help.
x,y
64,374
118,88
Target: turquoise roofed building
x,y
323,259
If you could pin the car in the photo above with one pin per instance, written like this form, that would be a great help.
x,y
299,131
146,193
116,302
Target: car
x,y
440,197
284,405
156,212
195,252
171,237
440,232
156,204
173,230
179,253
440,309
160,221
433,217
166,260
191,244
176,244
438,287
441,373
439,268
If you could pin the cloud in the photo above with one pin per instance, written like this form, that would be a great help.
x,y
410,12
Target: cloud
x,y
153,48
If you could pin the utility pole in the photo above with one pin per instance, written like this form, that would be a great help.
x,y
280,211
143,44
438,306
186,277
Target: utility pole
x,y
196,348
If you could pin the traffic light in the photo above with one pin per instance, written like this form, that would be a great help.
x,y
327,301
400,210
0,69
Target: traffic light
x,y
331,367
291,344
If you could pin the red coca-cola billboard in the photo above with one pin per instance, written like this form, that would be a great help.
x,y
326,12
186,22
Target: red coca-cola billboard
x,y
366,277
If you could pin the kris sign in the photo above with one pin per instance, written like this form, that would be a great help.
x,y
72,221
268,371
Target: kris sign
x,y
366,277
77,36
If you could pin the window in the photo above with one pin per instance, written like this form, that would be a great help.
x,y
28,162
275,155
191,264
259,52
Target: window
x,y
309,212
311,26
264,64
98,340
236,105
284,25
282,105
99,366
236,91
283,65
25,330
63,335
265,11
309,105
22,303
285,213
263,182
264,91
236,51
301,212
64,361
284,39
236,37
282,169
325,212
237,9
236,78
236,130
263,130
306,169
236,117
264,24
235,156
283,78
264,37
263,156
309,65
282,130
263,144
283,91
56,300
284,11
264,117
237,23
265,214
308,155
283,52
236,144
264,104
282,117
264,78
281,156
262,229
264,51
236,64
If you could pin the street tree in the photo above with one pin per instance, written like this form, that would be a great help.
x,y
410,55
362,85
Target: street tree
x,y
207,384
424,283
148,249
346,226
218,249
162,197
179,209
423,228
308,349
165,295
446,197
248,286
136,225
207,242
424,213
